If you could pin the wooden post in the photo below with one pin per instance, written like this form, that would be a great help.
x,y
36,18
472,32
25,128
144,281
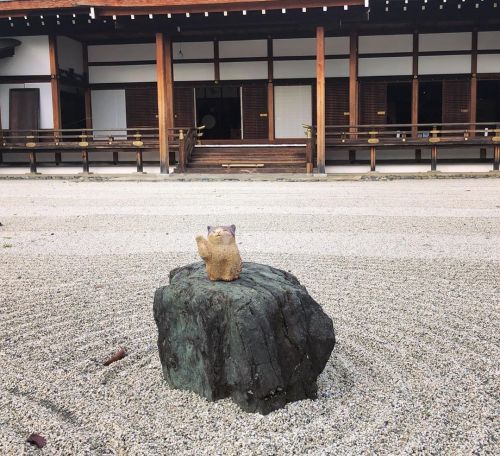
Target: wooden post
x,y
88,98
270,90
373,158
165,96
414,88
473,86
216,61
85,160
55,89
32,157
418,155
353,82
352,155
320,98
182,152
482,154
115,158
138,159
496,158
434,158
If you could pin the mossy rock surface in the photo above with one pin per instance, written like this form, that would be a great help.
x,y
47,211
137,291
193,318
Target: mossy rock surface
x,y
261,339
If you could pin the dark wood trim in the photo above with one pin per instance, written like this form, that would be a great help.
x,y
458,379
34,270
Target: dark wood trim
x,y
87,93
414,86
320,98
24,79
122,63
270,89
216,61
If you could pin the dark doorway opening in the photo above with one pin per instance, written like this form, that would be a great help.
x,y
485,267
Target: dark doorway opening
x,y
72,109
430,100
219,109
488,101
399,103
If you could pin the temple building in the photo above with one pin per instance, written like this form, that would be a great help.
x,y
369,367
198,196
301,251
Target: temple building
x,y
254,86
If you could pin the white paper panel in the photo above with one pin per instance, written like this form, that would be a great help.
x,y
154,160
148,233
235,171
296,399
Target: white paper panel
x,y
385,43
385,66
122,73
292,108
70,54
444,64
243,70
488,63
193,50
245,48
445,41
194,72
488,40
122,52
46,119
109,112
31,57
338,68
291,69
294,47
336,45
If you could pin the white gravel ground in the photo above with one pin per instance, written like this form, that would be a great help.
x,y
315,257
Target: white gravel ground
x,y
408,270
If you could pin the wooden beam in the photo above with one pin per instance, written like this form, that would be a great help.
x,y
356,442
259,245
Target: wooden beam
x,y
270,90
165,89
320,99
55,89
414,87
216,61
473,85
353,79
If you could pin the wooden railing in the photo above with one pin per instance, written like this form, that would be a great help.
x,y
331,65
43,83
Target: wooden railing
x,y
80,141
187,139
310,146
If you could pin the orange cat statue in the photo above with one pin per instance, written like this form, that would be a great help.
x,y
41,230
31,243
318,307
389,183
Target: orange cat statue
x,y
220,253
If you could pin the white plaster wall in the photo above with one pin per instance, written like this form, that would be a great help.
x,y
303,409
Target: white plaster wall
x,y
294,47
445,41
488,63
244,48
122,52
444,64
193,50
70,54
46,119
122,73
374,44
243,70
291,69
109,112
337,68
488,40
194,72
336,45
385,66
31,57
292,108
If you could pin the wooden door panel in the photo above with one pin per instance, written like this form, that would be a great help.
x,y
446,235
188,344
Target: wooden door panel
x,y
337,102
456,101
142,107
184,107
24,109
255,120
373,102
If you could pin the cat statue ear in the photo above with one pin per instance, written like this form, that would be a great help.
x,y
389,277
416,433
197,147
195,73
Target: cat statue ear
x,y
209,228
233,229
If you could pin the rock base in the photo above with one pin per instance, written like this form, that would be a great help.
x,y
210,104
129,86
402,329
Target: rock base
x,y
261,339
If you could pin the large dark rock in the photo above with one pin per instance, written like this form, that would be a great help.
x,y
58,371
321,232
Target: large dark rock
x,y
261,339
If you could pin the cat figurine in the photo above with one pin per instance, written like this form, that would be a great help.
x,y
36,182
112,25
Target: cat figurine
x,y
220,253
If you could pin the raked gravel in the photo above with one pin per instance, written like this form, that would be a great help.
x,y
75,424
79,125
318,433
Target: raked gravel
x,y
408,270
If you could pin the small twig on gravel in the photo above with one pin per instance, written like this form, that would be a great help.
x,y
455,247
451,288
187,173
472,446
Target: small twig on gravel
x,y
116,357
37,440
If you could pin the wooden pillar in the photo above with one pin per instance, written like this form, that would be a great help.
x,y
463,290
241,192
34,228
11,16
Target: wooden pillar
x,y
164,82
473,85
353,81
216,61
55,89
373,158
320,98
496,158
270,90
434,158
88,98
414,88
